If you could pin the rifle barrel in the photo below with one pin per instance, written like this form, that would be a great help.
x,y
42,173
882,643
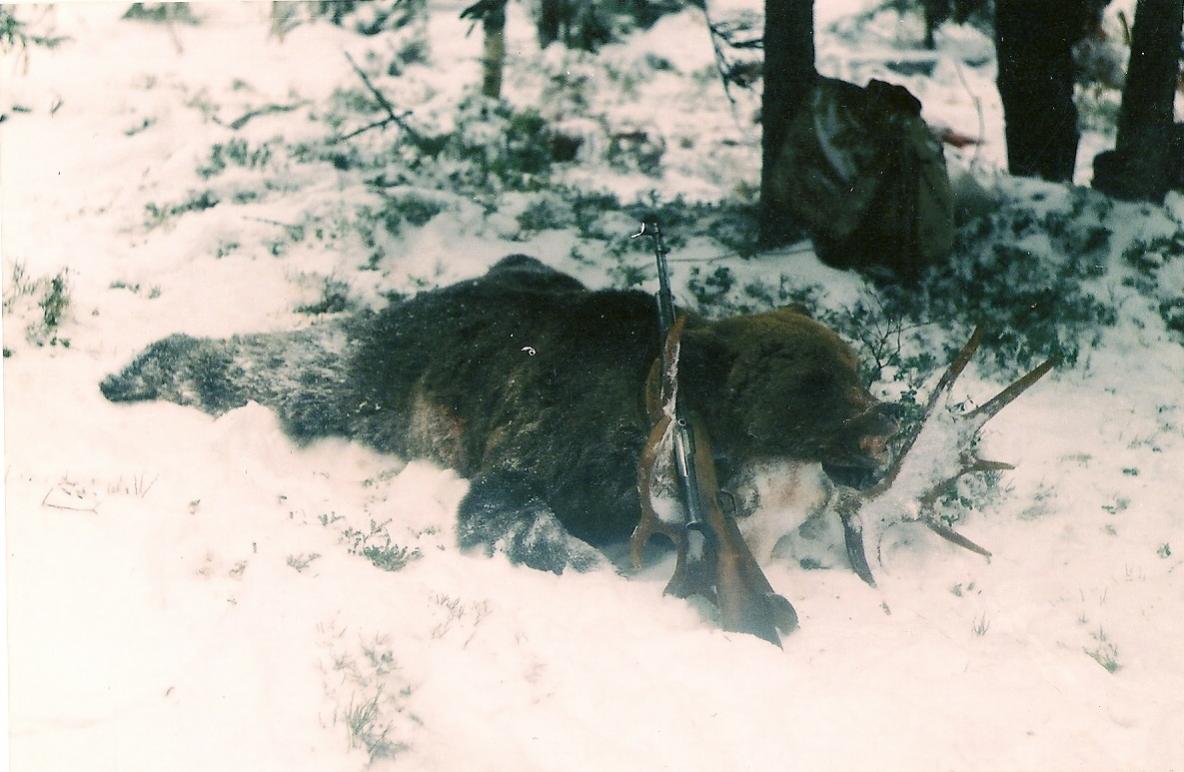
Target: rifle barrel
x,y
684,438
665,295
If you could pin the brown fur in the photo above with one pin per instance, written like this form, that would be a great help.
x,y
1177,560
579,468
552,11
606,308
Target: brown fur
x,y
533,387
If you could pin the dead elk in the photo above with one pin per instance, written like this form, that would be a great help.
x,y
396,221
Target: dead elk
x,y
937,452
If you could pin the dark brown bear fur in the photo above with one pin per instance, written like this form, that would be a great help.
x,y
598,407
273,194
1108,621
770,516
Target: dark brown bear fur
x,y
532,387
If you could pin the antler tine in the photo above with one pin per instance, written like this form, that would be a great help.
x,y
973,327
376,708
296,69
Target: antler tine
x,y
990,466
949,534
929,502
989,409
955,369
970,466
848,507
944,384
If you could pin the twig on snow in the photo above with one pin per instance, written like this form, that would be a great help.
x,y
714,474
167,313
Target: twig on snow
x,y
76,502
250,115
382,124
266,221
392,116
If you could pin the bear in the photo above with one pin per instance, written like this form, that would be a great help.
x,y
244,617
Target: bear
x,y
532,386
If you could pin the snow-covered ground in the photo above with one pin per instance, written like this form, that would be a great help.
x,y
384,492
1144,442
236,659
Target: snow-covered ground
x,y
189,593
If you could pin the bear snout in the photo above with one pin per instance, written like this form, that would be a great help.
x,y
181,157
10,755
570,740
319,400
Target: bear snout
x,y
875,448
862,449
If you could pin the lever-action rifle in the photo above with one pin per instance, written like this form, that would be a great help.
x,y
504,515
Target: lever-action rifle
x,y
713,559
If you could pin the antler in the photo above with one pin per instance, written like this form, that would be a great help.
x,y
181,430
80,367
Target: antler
x,y
911,489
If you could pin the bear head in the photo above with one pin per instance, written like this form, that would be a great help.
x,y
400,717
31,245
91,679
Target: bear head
x,y
781,386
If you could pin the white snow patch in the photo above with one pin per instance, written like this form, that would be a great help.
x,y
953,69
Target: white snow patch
x,y
186,593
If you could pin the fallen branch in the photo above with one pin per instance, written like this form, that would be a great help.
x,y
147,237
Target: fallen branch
x,y
250,115
368,127
267,221
392,116
69,500
295,232
730,72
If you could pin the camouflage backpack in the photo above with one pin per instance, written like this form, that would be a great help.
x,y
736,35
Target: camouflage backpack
x,y
861,171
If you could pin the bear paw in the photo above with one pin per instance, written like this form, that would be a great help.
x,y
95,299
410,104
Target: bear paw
x,y
504,517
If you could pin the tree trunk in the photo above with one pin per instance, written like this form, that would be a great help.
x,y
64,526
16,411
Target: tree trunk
x,y
1033,43
935,12
1138,167
494,58
550,19
788,75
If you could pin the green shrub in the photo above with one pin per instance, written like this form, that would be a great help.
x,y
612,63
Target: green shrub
x,y
499,146
161,13
636,151
54,302
15,35
236,152
383,553
369,731
708,289
156,215
390,557
334,299
412,208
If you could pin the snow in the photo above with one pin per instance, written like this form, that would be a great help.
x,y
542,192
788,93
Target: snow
x,y
191,593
